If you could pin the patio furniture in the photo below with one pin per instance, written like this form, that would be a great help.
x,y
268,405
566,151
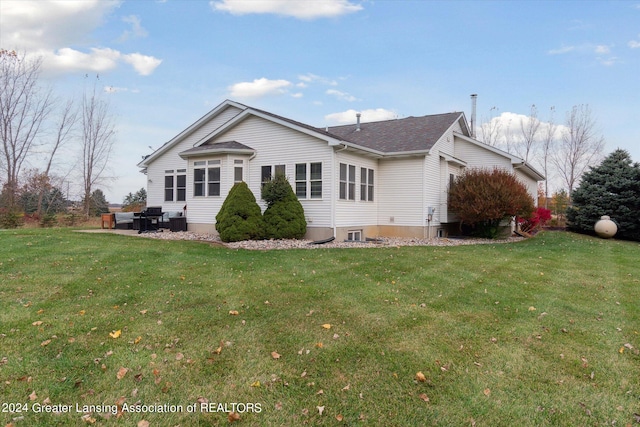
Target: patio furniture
x,y
109,219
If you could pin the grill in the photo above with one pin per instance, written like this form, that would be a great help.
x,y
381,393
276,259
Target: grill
x,y
150,219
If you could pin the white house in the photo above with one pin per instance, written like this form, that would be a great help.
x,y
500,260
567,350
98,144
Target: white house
x,y
387,178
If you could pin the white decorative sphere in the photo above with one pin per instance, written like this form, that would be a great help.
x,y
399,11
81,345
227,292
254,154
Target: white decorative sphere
x,y
605,228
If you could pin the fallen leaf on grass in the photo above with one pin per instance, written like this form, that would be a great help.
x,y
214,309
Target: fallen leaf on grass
x,y
345,388
143,423
233,416
424,397
33,396
115,334
339,417
420,377
37,323
327,326
137,340
121,373
255,384
275,355
233,312
88,419
320,409
486,392
179,356
45,343
319,345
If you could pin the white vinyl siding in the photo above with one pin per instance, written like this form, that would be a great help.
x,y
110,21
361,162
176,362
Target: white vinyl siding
x,y
400,192
274,145
352,211
171,160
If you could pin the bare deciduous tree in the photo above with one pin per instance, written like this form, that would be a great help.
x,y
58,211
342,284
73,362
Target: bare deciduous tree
x,y
98,132
491,129
63,132
24,105
580,146
529,131
547,145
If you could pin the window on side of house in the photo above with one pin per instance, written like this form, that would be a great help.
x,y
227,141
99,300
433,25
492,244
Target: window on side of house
x,y
366,184
301,180
213,178
354,235
168,186
347,182
181,185
315,180
199,173
238,171
308,180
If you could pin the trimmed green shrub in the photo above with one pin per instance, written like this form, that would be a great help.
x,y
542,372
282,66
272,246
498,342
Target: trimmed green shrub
x,y
484,198
611,188
284,216
240,217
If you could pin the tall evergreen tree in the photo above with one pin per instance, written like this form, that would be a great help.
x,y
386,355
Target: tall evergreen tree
x,y
611,188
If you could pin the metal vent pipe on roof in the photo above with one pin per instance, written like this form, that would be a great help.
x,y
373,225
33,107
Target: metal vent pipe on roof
x,y
358,122
474,97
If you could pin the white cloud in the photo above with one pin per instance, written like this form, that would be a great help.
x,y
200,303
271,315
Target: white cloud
x,y
136,28
313,78
341,95
634,44
297,9
98,60
371,115
143,64
562,50
602,49
258,88
48,28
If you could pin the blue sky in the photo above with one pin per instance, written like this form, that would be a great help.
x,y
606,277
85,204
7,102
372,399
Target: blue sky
x,y
164,64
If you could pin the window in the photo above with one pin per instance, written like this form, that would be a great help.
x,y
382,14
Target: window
x,y
198,178
238,171
308,180
168,187
366,184
347,182
210,175
269,172
181,185
354,235
175,185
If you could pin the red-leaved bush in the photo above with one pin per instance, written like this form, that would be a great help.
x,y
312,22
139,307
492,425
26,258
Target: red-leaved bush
x,y
538,219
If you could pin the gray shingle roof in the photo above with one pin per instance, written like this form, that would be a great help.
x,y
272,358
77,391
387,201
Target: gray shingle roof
x,y
220,147
399,135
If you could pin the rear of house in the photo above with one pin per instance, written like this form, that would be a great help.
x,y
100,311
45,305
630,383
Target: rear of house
x,y
354,182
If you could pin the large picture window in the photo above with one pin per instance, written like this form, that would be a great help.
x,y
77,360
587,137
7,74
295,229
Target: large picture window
x,y
308,180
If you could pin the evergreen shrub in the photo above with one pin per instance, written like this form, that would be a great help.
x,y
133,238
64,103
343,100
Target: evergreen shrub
x,y
240,217
284,216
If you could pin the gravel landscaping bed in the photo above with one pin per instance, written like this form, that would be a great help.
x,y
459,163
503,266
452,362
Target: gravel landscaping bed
x,y
308,244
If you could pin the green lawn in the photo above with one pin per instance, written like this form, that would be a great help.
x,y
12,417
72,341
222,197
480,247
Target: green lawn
x,y
541,332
